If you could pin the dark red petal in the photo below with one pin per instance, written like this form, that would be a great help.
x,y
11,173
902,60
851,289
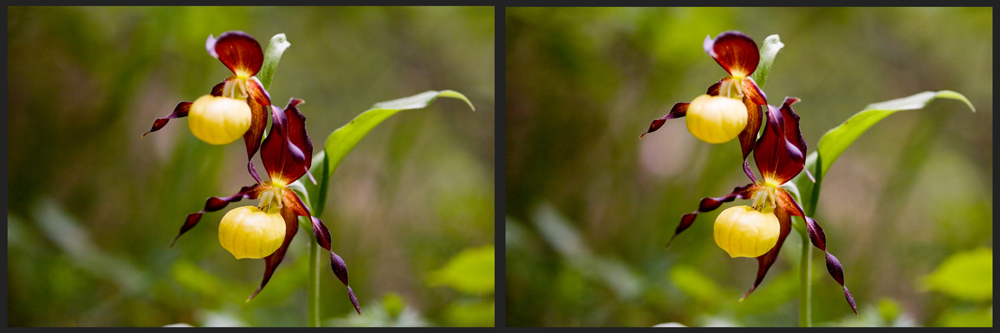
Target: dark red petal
x,y
238,51
256,91
792,132
778,158
713,90
354,300
181,110
272,261
287,145
735,52
818,238
837,271
677,111
217,89
748,137
752,91
765,261
294,204
215,204
710,204
258,121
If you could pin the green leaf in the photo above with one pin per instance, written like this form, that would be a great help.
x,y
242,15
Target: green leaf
x,y
271,58
767,53
834,142
342,140
967,318
471,271
965,275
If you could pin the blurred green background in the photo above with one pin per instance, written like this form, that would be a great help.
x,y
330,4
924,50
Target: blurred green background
x,y
92,207
907,209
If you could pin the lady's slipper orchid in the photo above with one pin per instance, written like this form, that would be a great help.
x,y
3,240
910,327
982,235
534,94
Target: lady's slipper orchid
x,y
284,154
731,107
239,103
248,232
780,156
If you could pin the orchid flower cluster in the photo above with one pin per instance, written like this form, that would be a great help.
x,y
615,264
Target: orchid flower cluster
x,y
239,107
733,107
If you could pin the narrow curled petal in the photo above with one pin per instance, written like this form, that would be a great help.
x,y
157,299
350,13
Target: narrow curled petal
x,y
258,121
272,261
735,52
238,51
285,149
765,261
181,110
294,204
677,111
752,91
710,204
780,151
748,138
354,300
215,204
818,238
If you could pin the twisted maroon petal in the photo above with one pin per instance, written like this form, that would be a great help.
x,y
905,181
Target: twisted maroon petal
x,y
181,110
748,137
735,52
215,204
238,51
354,300
818,238
765,261
294,204
710,204
259,102
677,111
272,261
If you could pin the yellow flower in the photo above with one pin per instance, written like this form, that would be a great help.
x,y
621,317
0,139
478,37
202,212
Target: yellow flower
x,y
745,232
247,232
219,120
716,119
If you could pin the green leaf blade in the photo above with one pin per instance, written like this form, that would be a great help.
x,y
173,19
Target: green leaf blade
x,y
964,275
470,271
272,56
343,139
834,142
768,51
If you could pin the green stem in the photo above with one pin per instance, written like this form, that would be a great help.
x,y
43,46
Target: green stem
x,y
313,289
805,276
805,263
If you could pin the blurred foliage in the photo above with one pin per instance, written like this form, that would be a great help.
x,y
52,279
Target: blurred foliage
x,y
965,275
471,273
589,207
93,207
968,278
